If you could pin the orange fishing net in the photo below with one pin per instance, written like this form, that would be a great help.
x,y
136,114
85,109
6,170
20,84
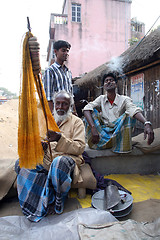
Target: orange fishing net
x,y
32,127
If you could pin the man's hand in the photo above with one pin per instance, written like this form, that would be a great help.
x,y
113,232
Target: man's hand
x,y
147,127
148,131
53,136
95,135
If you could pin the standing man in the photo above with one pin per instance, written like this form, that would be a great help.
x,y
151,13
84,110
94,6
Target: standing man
x,y
58,77
111,125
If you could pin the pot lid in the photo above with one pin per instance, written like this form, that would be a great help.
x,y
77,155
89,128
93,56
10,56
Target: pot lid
x,y
98,201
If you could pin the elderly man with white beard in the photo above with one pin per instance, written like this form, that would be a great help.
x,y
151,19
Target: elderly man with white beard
x,y
43,190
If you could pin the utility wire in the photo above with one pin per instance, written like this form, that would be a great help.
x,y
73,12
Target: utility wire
x,y
145,34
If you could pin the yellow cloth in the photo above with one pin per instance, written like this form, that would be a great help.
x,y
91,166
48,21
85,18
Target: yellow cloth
x,y
29,132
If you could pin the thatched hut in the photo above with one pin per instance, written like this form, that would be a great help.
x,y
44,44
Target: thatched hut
x,y
139,71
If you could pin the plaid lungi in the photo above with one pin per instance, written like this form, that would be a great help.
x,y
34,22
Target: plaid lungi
x,y
39,188
117,137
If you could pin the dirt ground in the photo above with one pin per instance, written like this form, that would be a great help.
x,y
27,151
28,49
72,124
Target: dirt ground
x,y
145,211
9,129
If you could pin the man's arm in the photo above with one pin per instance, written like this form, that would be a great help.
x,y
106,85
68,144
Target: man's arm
x,y
75,143
87,111
95,134
148,130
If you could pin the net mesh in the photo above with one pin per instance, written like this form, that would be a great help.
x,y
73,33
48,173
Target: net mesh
x,y
34,114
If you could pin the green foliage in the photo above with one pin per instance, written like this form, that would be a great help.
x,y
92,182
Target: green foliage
x,y
7,93
133,40
15,97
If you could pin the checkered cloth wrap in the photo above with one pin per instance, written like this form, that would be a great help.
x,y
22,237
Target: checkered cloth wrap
x,y
39,188
117,137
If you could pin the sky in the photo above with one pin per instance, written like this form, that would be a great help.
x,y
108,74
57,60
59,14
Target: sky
x,y
13,25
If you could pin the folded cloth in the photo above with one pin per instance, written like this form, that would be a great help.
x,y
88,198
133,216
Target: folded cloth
x,y
102,182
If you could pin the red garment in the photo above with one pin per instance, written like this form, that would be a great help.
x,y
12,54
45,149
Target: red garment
x,y
111,101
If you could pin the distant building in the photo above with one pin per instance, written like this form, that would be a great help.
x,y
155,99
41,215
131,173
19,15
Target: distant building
x,y
97,30
3,99
137,29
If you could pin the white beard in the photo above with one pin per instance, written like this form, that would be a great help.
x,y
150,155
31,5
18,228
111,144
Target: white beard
x,y
61,118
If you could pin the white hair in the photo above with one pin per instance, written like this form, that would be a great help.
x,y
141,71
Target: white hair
x,y
64,92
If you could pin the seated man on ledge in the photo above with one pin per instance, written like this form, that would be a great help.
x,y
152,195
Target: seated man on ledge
x,y
110,118
43,190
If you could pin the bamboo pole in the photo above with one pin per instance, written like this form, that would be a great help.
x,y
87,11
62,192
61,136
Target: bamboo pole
x,y
39,89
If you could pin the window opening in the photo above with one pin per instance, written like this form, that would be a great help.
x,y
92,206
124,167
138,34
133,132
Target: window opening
x,y
76,12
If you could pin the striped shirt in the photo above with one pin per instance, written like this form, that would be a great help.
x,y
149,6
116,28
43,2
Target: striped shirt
x,y
57,78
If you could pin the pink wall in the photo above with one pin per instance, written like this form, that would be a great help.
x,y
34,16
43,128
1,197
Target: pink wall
x,y
102,34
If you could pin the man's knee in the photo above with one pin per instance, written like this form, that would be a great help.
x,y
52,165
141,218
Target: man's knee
x,y
63,162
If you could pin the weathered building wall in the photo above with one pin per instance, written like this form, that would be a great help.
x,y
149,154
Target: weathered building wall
x,y
151,97
103,33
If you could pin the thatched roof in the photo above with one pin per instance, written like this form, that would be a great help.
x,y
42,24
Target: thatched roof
x,y
145,52
138,55
92,76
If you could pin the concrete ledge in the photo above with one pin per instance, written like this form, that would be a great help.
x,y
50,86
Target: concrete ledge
x,y
108,152
106,162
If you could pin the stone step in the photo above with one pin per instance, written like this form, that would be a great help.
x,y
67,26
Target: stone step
x,y
136,162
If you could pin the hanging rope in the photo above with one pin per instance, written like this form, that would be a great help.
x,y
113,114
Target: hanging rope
x,y
33,122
